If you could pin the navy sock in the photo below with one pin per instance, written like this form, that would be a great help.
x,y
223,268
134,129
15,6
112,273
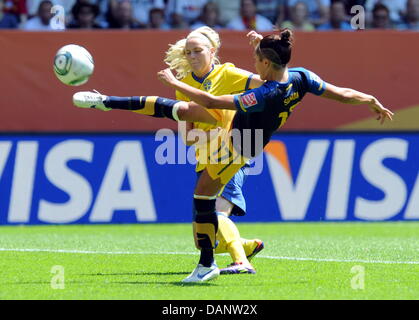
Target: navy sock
x,y
207,257
124,103
163,108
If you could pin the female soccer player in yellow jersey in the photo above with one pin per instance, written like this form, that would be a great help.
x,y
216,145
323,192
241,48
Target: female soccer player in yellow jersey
x,y
196,63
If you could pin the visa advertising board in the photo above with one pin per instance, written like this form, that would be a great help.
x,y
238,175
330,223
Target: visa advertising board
x,y
140,178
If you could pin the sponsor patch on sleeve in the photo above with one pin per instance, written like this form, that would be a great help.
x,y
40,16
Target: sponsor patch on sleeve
x,y
248,100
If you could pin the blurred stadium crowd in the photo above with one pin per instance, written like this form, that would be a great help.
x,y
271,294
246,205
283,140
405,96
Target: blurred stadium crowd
x,y
260,15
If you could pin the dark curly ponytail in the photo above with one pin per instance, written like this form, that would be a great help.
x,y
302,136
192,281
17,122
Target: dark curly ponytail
x,y
286,37
277,48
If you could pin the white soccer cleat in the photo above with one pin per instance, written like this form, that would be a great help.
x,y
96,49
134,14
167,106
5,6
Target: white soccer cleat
x,y
201,274
90,100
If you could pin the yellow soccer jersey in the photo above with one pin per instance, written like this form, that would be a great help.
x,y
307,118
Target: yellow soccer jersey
x,y
223,79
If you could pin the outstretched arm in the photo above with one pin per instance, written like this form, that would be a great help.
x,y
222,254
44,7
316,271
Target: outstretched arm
x,y
350,96
201,97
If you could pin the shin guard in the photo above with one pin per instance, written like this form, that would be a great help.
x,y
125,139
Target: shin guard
x,y
205,223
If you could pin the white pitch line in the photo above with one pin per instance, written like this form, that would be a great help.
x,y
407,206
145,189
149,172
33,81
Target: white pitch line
x,y
91,252
339,260
191,253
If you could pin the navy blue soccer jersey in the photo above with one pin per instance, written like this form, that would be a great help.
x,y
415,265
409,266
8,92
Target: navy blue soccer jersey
x,y
269,106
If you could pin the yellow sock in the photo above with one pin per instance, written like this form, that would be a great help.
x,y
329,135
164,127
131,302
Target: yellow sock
x,y
236,251
248,246
228,231
222,244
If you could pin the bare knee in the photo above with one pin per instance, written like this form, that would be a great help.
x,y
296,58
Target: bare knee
x,y
182,110
222,205
207,186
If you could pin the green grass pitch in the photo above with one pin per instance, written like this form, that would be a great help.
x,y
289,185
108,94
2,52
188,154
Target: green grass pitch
x,y
147,262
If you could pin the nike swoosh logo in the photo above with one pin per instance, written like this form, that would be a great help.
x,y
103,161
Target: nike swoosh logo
x,y
202,276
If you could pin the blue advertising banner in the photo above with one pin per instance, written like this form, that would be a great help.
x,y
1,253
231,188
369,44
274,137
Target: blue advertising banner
x,y
130,178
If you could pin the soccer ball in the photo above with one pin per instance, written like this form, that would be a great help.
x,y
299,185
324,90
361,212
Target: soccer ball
x,y
73,65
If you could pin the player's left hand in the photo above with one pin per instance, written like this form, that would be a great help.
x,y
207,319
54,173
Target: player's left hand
x,y
254,38
166,77
382,112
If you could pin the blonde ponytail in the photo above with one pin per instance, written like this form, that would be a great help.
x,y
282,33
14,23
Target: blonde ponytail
x,y
175,56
